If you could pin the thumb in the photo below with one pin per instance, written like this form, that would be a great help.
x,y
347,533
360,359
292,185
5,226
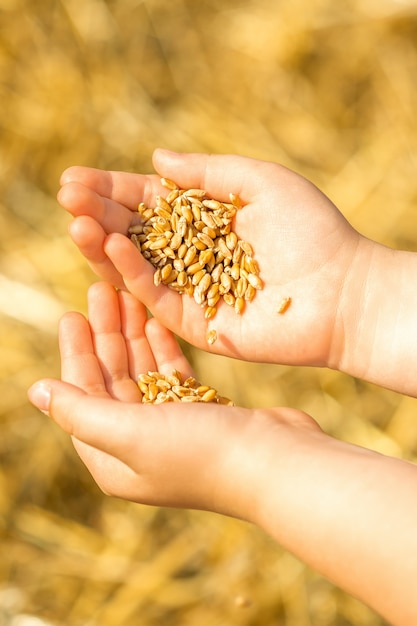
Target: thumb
x,y
88,418
218,174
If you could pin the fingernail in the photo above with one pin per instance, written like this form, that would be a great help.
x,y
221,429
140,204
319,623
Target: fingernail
x,y
40,396
167,151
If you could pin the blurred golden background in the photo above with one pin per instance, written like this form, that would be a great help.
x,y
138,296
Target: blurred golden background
x,y
328,89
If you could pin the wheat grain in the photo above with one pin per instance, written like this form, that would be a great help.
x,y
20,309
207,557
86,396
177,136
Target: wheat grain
x,y
156,388
284,304
189,240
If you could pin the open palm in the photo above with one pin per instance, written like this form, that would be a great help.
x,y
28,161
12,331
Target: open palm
x,y
302,243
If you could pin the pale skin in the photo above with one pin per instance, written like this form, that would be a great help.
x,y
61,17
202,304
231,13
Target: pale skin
x,y
348,512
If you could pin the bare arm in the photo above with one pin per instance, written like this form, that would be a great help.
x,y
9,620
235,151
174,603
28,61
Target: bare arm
x,y
348,512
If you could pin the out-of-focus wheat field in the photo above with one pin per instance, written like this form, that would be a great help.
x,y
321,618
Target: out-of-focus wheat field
x,y
326,88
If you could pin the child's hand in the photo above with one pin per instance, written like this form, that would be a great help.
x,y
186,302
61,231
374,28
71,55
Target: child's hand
x,y
172,454
322,499
304,247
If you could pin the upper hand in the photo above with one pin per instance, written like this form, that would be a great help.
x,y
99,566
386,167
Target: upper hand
x,y
304,246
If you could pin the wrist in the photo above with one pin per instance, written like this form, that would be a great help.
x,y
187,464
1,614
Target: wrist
x,y
374,335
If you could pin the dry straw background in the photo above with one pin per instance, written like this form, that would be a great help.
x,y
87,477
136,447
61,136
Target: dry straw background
x,y
327,88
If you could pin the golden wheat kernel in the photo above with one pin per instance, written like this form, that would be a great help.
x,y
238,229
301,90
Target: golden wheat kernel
x,y
195,208
235,271
143,387
152,391
175,241
208,220
205,282
172,195
251,265
157,277
250,293
190,255
166,271
147,214
226,282
214,205
210,312
214,289
199,296
161,398
225,401
195,241
172,277
188,287
198,225
187,214
217,272
235,200
239,305
213,300
158,244
197,277
193,268
162,384
209,395
255,281
168,253
172,396
229,298
190,399
146,245
179,390
161,202
178,264
231,240
206,256
241,287
169,184
182,251
237,254
284,304
246,247
221,246
182,226
189,236
210,232
175,378
194,193
163,218
202,389
211,336
192,382
206,239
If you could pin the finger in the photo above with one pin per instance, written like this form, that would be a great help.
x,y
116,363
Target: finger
x,y
79,364
219,175
102,423
167,352
172,309
132,432
80,200
179,313
89,236
109,342
133,317
125,188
